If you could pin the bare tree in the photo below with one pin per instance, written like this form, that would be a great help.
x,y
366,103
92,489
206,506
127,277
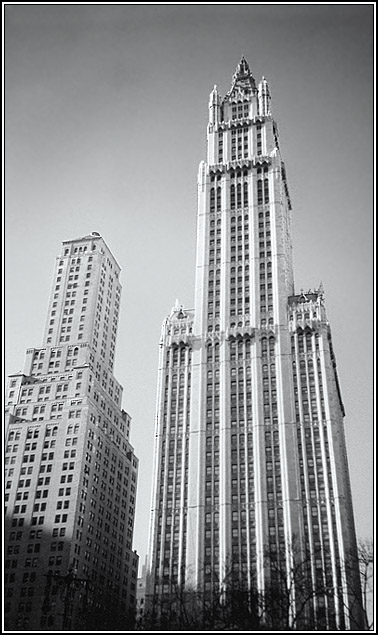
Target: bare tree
x,y
216,609
297,595
361,592
366,564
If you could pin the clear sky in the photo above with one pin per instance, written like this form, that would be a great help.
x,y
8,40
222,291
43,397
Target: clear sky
x,y
105,122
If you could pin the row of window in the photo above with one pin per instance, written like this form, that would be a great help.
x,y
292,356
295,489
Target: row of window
x,y
266,287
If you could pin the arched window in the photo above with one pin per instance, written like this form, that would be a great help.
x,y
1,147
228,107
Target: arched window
x,y
220,147
239,201
260,199
232,196
266,191
212,200
245,194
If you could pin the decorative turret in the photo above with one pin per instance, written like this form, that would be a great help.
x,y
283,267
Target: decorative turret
x,y
214,106
264,98
178,310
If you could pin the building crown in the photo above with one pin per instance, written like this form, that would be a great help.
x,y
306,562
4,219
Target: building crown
x,y
242,68
243,78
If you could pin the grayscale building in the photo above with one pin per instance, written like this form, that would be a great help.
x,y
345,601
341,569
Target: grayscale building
x,y
70,470
251,476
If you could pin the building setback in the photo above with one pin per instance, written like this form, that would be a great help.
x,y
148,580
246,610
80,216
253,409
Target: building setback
x,y
251,476
71,472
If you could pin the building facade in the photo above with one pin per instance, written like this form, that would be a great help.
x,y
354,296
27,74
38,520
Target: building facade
x,y
141,594
251,476
71,472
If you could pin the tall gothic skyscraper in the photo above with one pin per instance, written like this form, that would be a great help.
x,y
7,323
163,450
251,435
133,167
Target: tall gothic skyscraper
x,y
251,475
71,472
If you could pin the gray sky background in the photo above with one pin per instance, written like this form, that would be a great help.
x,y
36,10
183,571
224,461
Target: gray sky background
x,y
106,114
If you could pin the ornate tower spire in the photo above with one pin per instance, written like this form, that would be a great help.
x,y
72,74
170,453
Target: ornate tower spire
x,y
243,67
243,78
